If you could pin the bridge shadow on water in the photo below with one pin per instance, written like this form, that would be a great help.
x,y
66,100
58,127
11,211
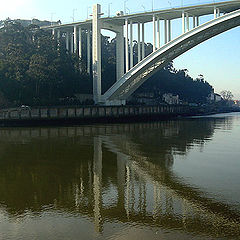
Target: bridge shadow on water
x,y
112,174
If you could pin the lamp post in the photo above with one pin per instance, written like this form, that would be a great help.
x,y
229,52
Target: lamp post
x,y
52,18
109,9
125,6
87,11
73,11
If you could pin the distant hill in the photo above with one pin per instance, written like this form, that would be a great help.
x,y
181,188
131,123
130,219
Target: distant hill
x,y
25,22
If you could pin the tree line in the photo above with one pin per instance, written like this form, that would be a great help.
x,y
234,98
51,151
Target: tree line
x,y
36,69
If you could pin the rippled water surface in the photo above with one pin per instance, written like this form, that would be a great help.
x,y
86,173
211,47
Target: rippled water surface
x,y
162,180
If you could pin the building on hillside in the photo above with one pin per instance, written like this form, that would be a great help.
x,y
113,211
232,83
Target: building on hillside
x,y
169,98
145,98
236,103
214,97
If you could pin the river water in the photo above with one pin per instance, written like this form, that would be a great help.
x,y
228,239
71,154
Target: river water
x,y
164,180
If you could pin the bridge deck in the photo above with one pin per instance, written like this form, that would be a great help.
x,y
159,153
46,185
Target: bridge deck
x,y
145,17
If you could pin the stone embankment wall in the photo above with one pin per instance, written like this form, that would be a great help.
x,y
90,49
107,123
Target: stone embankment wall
x,y
90,112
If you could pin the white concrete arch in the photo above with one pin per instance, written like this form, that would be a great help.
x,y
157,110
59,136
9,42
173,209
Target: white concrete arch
x,y
137,75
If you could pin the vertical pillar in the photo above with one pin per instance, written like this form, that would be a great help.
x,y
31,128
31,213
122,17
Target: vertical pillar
x,y
218,12
58,34
215,12
158,32
197,19
183,22
96,53
71,42
187,16
169,31
67,41
131,44
120,54
75,39
139,43
165,31
194,21
126,46
80,43
53,33
154,33
143,42
88,51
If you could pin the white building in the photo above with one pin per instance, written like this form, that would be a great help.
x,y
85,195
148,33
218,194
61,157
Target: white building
x,y
170,98
214,97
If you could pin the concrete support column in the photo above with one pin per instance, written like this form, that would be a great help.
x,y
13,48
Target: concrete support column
x,y
165,31
218,12
197,20
131,44
169,31
53,33
71,42
80,43
188,26
88,51
119,54
67,41
75,39
126,46
139,43
96,53
143,42
183,22
154,33
58,34
158,32
215,12
194,21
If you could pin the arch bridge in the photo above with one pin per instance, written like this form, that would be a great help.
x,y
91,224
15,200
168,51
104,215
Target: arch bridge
x,y
226,15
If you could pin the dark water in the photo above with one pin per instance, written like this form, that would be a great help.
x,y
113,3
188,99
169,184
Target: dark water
x,y
165,180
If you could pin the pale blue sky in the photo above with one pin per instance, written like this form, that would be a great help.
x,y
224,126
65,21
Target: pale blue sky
x,y
218,59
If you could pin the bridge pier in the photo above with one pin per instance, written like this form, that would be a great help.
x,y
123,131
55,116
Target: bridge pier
x,y
75,39
158,32
139,43
80,43
183,23
165,31
154,33
119,54
88,51
67,41
71,42
96,53
131,44
126,46
143,42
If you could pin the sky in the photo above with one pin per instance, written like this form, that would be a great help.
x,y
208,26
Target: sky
x,y
217,59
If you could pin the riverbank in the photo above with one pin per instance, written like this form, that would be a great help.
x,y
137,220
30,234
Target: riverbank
x,y
37,116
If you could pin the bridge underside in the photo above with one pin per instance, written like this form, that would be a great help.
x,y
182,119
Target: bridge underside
x,y
129,77
136,76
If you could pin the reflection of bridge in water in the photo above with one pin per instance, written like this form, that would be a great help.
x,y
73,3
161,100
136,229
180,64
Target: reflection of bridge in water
x,y
110,177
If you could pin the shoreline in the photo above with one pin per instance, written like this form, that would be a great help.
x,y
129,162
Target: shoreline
x,y
84,115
